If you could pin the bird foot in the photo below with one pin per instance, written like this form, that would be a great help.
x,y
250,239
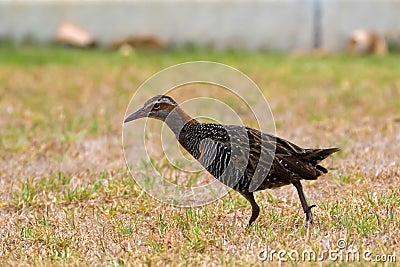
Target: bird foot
x,y
309,217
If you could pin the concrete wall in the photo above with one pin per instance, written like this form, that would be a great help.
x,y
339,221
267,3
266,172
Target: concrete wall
x,y
269,24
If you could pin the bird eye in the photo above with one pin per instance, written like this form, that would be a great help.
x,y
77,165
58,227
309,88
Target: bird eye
x,y
156,106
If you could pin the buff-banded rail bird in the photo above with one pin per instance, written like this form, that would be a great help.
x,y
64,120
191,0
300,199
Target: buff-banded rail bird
x,y
242,158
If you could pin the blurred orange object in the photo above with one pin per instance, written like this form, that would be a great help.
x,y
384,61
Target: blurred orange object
x,y
71,34
367,42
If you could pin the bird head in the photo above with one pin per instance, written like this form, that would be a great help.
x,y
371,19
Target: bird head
x,y
157,107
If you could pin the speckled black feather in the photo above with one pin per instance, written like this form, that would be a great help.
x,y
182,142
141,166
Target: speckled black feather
x,y
291,162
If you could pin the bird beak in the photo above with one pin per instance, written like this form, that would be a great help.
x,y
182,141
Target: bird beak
x,y
140,113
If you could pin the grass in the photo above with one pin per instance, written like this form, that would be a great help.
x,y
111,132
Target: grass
x,y
66,197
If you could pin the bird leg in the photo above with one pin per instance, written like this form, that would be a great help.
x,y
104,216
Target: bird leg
x,y
255,209
306,208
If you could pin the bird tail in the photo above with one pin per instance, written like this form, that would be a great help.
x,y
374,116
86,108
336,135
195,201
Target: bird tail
x,y
314,156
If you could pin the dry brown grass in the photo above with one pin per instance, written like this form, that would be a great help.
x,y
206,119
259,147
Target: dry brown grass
x,y
66,197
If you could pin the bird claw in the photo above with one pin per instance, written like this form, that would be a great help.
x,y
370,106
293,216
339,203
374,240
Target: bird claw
x,y
312,206
309,217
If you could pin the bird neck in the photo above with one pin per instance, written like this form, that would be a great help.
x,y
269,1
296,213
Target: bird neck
x,y
176,119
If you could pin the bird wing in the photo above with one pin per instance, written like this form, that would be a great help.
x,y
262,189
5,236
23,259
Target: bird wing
x,y
229,153
258,153
300,162
296,168
292,160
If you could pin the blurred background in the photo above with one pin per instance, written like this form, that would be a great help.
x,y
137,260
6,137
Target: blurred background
x,y
287,25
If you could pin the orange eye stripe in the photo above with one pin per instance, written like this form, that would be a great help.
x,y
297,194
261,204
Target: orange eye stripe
x,y
166,106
